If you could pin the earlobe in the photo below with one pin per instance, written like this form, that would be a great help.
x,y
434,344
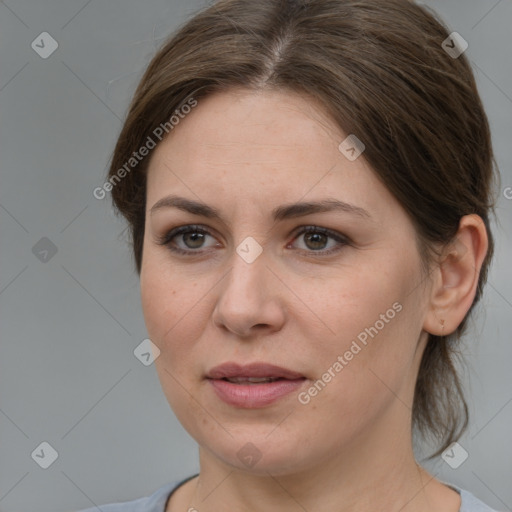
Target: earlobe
x,y
458,271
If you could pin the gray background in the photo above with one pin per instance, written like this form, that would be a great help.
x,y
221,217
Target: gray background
x,y
68,375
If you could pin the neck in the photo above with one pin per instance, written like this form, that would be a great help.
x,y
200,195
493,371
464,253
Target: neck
x,y
369,475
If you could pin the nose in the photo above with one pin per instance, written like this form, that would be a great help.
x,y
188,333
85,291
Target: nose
x,y
250,299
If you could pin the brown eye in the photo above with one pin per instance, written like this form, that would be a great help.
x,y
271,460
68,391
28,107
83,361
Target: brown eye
x,y
192,238
316,239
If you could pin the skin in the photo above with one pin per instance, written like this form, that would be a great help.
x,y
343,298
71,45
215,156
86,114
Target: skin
x,y
349,448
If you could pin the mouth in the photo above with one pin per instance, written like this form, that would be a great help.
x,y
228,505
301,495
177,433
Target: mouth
x,y
252,380
255,385
254,372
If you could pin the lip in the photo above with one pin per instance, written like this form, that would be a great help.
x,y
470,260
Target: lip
x,y
230,370
253,396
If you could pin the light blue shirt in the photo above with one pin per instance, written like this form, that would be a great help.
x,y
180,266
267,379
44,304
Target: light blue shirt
x,y
157,501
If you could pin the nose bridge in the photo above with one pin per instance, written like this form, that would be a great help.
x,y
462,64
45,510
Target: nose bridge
x,y
247,276
246,299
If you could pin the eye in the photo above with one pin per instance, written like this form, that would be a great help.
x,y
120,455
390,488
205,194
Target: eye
x,y
316,238
193,238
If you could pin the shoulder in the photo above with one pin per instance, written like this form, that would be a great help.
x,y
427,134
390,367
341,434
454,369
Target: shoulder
x,y
470,503
154,503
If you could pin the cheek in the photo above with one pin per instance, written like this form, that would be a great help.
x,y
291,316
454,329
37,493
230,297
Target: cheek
x,y
172,304
162,298
359,304
358,382
171,308
157,297
374,323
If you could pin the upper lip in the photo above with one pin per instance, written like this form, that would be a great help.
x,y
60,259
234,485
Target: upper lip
x,y
231,369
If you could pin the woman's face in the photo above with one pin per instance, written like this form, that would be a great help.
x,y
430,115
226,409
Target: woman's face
x,y
342,312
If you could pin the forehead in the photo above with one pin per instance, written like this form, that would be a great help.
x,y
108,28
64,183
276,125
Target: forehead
x,y
246,126
273,146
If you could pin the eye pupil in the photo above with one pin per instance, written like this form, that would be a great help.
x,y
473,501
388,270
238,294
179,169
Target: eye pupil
x,y
318,239
196,237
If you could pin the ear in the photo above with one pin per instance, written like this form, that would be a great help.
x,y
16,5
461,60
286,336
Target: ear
x,y
455,280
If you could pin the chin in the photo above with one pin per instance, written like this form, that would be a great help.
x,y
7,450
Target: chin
x,y
255,452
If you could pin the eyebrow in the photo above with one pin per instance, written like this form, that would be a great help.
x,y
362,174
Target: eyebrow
x,y
286,211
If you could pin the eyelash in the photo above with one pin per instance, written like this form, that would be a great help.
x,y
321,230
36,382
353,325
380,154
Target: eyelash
x,y
167,238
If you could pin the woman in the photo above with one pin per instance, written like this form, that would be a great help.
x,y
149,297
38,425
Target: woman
x,y
308,188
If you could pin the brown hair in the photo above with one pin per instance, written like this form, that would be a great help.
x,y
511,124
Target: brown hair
x,y
379,69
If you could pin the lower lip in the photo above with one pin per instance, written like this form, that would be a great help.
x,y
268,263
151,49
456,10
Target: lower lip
x,y
252,396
